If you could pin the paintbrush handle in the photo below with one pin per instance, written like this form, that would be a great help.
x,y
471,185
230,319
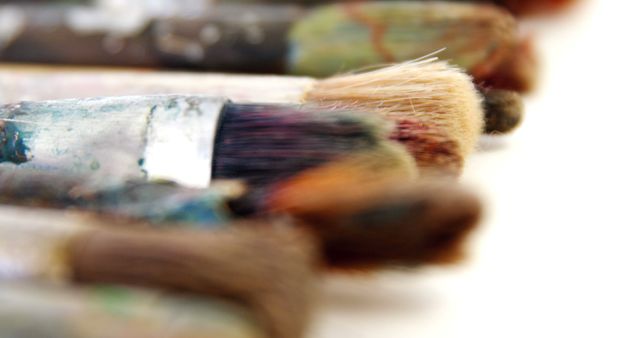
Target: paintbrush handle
x,y
33,83
154,202
122,138
246,38
41,310
33,244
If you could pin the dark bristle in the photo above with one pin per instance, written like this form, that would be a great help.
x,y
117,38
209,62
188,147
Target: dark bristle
x,y
503,110
386,221
414,228
265,143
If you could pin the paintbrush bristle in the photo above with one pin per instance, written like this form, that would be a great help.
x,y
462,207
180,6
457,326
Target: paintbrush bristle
x,y
388,159
268,268
262,144
427,91
504,110
432,148
366,219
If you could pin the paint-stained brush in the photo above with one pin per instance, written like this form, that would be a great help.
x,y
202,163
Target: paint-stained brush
x,y
434,95
291,39
40,310
185,139
268,268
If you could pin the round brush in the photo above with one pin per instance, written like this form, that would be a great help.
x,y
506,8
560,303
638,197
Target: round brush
x,y
269,269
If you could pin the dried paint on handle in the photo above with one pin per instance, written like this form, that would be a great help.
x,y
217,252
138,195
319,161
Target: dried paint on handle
x,y
119,138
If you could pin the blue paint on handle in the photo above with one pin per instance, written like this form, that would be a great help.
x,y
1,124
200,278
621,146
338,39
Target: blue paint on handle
x,y
12,145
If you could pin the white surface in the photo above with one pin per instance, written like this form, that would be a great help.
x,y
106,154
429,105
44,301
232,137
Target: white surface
x,y
559,250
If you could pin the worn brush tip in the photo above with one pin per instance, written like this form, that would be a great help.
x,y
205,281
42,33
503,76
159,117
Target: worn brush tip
x,y
503,110
427,91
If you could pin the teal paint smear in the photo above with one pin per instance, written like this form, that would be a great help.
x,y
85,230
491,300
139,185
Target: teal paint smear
x,y
12,145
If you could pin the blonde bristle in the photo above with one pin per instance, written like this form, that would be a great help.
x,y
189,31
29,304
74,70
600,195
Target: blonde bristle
x,y
425,89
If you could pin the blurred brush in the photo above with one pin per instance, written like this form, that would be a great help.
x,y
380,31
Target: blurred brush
x,y
264,38
268,268
519,71
38,310
185,139
383,218
503,110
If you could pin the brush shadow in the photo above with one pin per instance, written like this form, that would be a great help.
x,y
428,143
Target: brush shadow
x,y
491,143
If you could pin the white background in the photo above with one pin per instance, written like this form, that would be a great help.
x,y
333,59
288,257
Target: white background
x,y
559,250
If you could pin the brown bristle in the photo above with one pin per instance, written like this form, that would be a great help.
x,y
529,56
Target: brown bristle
x,y
270,269
517,72
430,92
312,187
365,222
503,110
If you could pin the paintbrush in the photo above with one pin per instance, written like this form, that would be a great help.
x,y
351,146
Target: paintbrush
x,y
383,218
321,41
406,85
428,92
380,199
185,139
39,310
268,268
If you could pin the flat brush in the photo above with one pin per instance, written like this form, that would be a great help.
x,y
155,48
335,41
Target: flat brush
x,y
185,139
268,269
290,39
39,310
431,93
